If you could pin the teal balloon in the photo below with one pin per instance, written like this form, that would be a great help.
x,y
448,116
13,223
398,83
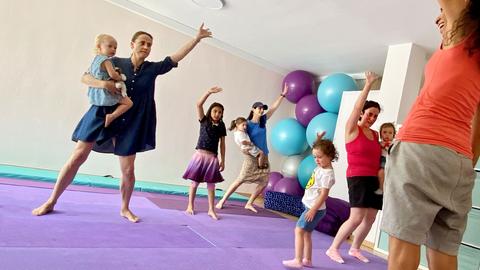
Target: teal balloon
x,y
330,90
323,122
305,170
288,137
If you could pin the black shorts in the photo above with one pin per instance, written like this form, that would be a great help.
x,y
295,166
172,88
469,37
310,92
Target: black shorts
x,y
361,192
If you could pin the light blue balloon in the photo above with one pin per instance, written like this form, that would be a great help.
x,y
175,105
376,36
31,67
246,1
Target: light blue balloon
x,y
330,90
305,170
288,137
327,122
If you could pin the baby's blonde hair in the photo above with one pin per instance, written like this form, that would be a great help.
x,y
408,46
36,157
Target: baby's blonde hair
x,y
98,40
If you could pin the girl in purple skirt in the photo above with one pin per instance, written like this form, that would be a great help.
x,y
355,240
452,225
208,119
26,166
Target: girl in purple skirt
x,y
204,165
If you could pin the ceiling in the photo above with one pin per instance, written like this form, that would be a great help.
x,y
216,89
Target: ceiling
x,y
320,36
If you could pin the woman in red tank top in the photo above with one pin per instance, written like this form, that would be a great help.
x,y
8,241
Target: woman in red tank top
x,y
363,156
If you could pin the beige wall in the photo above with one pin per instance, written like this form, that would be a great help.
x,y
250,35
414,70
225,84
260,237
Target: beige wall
x,y
47,45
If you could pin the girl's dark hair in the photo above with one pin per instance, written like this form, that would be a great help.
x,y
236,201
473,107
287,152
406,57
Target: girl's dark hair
x,y
236,122
263,120
209,111
139,33
470,16
387,125
327,147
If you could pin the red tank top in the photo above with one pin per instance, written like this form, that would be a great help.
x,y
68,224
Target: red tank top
x,y
363,155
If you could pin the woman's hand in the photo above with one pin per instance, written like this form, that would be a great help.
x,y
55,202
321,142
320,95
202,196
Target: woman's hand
x,y
285,89
370,77
110,86
203,33
214,90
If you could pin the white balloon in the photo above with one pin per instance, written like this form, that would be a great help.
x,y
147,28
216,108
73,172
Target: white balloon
x,y
290,165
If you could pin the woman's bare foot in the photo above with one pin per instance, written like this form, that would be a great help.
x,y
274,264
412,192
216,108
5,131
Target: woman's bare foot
x,y
108,119
43,209
190,211
251,208
212,214
219,205
129,215
334,255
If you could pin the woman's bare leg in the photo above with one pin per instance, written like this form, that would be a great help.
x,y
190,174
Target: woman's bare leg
x,y
65,177
127,166
228,193
356,216
258,190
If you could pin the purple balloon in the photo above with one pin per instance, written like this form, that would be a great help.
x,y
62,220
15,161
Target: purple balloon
x,y
273,179
307,108
289,185
300,83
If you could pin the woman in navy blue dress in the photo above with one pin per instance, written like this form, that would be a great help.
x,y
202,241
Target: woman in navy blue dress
x,y
133,132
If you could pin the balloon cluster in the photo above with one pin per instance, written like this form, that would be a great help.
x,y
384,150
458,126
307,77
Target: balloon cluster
x,y
314,114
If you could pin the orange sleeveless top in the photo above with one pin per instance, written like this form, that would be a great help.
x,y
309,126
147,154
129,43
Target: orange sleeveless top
x,y
442,114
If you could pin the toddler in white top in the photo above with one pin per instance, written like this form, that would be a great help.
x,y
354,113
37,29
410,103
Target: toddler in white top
x,y
316,193
239,126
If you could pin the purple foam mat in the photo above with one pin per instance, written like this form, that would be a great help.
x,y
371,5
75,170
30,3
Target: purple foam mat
x,y
86,232
201,204
169,258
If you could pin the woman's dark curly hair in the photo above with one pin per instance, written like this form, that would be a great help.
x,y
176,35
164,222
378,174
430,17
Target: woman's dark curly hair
x,y
469,18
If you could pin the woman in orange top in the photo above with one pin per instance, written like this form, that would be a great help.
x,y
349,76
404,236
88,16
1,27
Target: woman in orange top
x,y
429,174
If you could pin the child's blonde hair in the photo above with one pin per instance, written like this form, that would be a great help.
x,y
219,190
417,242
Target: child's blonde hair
x,y
98,40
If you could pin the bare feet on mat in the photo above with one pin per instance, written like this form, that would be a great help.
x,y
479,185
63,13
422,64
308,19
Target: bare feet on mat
x,y
190,211
293,264
213,215
251,208
219,205
334,255
307,263
357,254
43,209
129,215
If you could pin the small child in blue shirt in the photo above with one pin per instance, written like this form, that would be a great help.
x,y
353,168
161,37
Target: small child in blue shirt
x,y
103,69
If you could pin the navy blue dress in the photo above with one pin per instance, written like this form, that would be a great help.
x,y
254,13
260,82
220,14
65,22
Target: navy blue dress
x,y
135,130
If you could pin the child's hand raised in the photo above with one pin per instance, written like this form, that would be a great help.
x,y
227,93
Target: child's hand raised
x,y
215,89
320,135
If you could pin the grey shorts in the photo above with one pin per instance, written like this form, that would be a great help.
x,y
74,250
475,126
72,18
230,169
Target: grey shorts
x,y
427,196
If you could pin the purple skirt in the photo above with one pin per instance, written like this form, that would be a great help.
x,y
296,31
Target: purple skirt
x,y
203,167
